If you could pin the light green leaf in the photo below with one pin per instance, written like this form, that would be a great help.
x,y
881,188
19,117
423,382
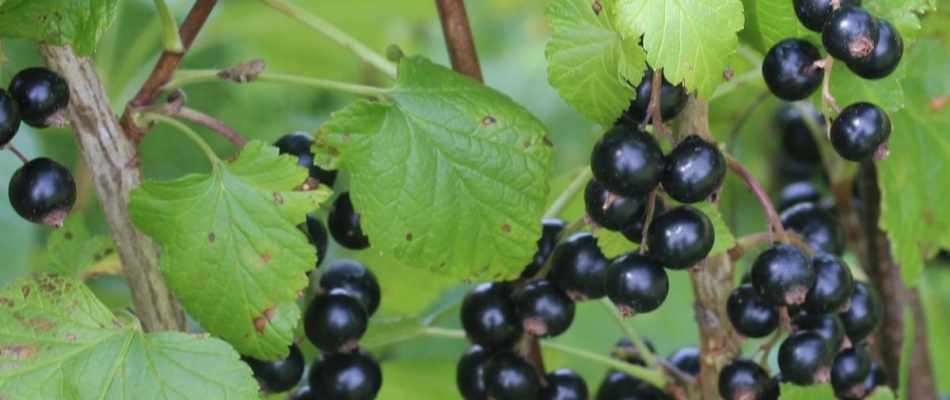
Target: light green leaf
x,y
413,379
813,392
768,22
448,175
912,212
405,291
724,239
690,39
907,351
385,332
74,252
613,244
57,341
571,184
882,393
589,63
76,22
231,251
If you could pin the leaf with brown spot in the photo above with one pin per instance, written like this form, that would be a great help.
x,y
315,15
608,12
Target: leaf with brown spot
x,y
78,253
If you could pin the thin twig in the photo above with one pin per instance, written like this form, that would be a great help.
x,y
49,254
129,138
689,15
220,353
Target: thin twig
x,y
171,39
532,352
9,146
774,221
215,125
648,357
647,219
458,38
766,348
743,119
767,237
826,97
191,77
573,189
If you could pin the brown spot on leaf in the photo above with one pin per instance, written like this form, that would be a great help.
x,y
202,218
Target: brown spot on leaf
x,y
938,103
506,228
278,198
19,351
211,237
47,287
25,290
345,137
5,301
527,144
40,325
488,120
409,237
68,235
266,257
547,142
261,322
107,251
597,8
70,337
728,74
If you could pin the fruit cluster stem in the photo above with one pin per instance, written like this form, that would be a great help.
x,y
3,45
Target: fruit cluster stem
x,y
774,221
12,149
458,38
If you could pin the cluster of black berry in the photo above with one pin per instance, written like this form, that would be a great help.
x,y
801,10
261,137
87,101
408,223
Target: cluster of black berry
x,y
622,386
42,190
869,46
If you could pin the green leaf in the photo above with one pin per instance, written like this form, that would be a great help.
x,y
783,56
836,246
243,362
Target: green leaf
x,y
690,39
385,332
231,250
74,252
813,392
882,393
405,290
907,351
76,22
768,22
613,244
448,175
412,379
589,62
912,212
724,239
57,341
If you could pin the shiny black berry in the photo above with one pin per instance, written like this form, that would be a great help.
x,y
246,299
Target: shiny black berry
x,y
681,237
622,386
637,284
303,393
550,230
579,267
686,360
40,94
335,321
886,56
833,285
317,233
789,70
849,370
672,100
544,309
563,384
694,170
9,117
859,131
298,144
782,275
850,34
489,315
42,191
818,228
828,326
627,160
470,372
610,211
804,358
751,315
797,192
814,14
508,376
346,376
344,224
797,141
876,377
278,376
355,278
865,314
742,379
635,232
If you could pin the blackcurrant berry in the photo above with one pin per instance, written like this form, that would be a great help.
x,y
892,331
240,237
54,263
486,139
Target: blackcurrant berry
x,y
790,169
636,284
40,94
797,141
797,192
610,211
563,384
335,321
876,377
346,376
42,191
489,315
742,379
859,131
635,232
849,370
469,375
681,237
317,233
694,170
508,376
303,393
672,100
626,351
579,267
782,275
789,69
774,390
278,376
886,56
550,230
344,224
814,14
850,34
686,360
622,386
9,117
356,279
627,160
833,285
818,228
751,315
804,358
865,314
544,309
828,326
298,144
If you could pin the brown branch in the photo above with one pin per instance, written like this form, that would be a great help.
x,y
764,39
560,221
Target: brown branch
x,y
774,221
458,38
166,65
113,161
215,125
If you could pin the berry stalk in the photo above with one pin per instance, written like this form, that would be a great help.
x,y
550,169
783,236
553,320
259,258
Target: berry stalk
x,y
774,221
171,39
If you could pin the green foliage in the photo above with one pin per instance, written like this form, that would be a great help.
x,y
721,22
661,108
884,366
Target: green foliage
x,y
689,49
724,239
590,64
58,342
449,175
613,244
794,392
768,22
77,22
74,252
231,250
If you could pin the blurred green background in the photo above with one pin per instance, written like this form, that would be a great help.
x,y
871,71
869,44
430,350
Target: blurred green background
x,y
510,36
